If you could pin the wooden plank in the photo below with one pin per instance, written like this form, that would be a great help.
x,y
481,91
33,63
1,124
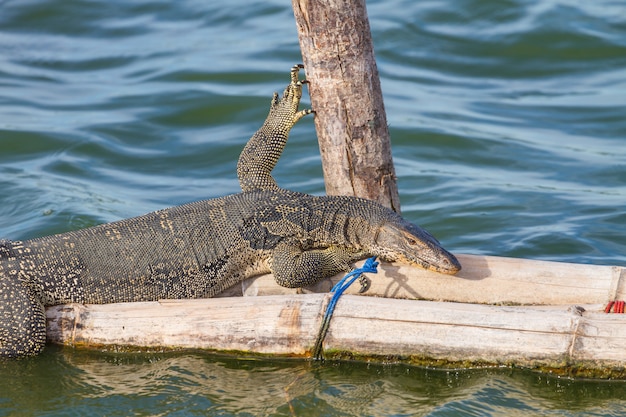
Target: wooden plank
x,y
483,279
453,331
601,337
277,325
560,337
368,326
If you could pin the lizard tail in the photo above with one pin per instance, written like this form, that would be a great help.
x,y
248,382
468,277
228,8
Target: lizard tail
x,y
22,315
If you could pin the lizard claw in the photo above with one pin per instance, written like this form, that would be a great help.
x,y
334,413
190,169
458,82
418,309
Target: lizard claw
x,y
293,93
295,70
365,284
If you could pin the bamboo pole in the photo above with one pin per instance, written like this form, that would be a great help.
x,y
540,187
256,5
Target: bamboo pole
x,y
483,280
345,92
559,338
276,325
573,335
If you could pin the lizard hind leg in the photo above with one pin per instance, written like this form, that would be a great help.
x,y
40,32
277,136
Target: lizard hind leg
x,y
22,320
261,153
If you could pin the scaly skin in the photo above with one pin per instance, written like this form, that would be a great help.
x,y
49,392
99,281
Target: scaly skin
x,y
199,249
261,153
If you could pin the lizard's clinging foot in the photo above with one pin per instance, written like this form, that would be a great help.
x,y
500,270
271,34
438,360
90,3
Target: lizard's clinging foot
x,y
290,100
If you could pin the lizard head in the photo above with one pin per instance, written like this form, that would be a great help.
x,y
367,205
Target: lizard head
x,y
402,241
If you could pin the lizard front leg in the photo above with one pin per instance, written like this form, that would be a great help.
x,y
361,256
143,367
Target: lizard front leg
x,y
294,267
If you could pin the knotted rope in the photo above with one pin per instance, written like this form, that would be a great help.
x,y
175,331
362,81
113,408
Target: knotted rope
x,y
369,266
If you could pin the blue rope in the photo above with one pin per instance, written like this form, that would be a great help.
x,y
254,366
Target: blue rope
x,y
369,266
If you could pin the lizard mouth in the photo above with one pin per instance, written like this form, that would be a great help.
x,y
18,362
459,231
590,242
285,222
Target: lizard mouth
x,y
448,266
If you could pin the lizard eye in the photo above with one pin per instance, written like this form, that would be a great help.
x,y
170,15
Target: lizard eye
x,y
411,242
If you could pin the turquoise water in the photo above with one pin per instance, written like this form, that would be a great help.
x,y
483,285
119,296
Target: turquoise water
x,y
509,137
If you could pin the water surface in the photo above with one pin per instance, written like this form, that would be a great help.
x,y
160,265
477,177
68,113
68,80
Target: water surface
x,y
509,138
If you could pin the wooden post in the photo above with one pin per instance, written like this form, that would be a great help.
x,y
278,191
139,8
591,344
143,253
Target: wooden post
x,y
345,93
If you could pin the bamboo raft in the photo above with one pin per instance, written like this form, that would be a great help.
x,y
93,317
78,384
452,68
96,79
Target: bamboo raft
x,y
496,311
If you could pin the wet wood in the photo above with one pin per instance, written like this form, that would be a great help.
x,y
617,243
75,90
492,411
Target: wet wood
x,y
345,92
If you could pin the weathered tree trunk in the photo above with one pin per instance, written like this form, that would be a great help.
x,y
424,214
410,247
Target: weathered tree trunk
x,y
345,93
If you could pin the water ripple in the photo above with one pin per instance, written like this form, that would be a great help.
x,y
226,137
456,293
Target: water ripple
x,y
508,130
